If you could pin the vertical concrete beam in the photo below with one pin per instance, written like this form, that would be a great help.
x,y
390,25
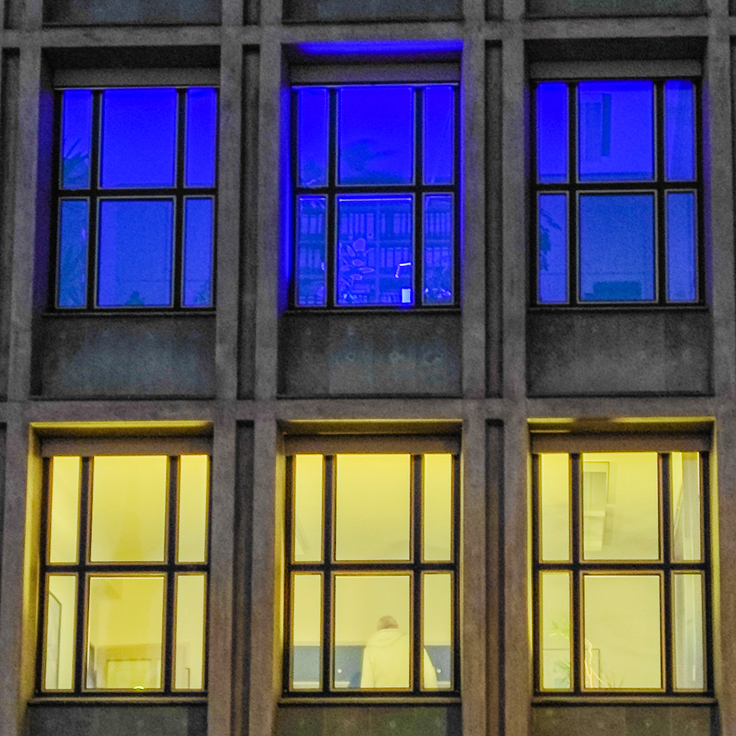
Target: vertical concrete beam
x,y
232,15
32,14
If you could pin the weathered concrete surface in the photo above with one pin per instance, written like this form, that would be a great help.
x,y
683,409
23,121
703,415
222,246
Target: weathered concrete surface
x,y
598,8
370,10
100,12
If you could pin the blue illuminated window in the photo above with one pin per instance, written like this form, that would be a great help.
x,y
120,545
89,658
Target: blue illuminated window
x,y
617,192
136,198
376,196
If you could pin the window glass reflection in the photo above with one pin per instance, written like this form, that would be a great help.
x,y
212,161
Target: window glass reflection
x,y
689,632
686,503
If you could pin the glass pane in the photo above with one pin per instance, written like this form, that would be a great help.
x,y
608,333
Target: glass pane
x,y
199,235
682,273
554,506
129,509
308,509
616,247
190,627
64,535
372,631
438,249
306,633
373,507
201,136
556,633
439,134
125,622
375,250
689,632
73,243
194,481
61,616
620,506
616,131
552,246
679,130
314,123
311,252
138,137
622,631
376,135
437,508
76,126
136,247
686,503
437,656
552,132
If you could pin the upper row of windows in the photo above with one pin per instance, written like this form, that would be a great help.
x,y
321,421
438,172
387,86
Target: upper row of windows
x,y
376,196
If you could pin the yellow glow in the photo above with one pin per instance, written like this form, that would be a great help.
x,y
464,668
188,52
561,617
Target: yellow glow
x,y
554,506
61,609
194,473
190,618
65,480
685,512
306,630
436,628
556,634
308,510
129,509
437,532
688,632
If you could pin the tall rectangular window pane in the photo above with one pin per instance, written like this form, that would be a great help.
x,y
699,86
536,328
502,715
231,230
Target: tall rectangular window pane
x,y
306,632
439,134
201,136
616,247
375,250
437,653
554,503
64,515
556,630
60,639
308,508
194,472
199,235
552,249
686,503
76,138
311,251
439,231
136,243
689,632
313,128
622,632
437,508
73,245
552,132
682,269
189,646
125,622
679,127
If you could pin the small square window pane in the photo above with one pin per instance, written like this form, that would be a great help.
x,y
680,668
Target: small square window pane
x,y
199,236
194,481
312,145
552,249
201,136
311,251
616,130
376,135
689,632
136,243
679,130
76,134
552,132
375,250
73,245
556,631
129,509
189,657
61,617
617,247
65,493
372,632
437,507
620,506
437,654
307,543
306,632
682,270
686,501
622,632
438,235
125,622
554,506
373,507
439,134
138,137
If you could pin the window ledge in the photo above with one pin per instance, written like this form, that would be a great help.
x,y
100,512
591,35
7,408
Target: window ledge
x,y
118,700
372,700
129,312
581,700
619,307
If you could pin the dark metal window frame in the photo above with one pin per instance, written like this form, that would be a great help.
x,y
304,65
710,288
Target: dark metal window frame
x,y
417,189
96,193
84,569
329,568
573,188
665,568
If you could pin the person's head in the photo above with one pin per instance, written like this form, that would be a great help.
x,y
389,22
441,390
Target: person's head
x,y
387,622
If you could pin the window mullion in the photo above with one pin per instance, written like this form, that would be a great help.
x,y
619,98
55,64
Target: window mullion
x,y
660,250
177,270
332,230
327,583
170,583
94,177
578,648
572,205
706,555
666,551
84,528
536,557
418,228
417,644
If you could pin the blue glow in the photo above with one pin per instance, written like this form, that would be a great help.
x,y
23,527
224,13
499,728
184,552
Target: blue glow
x,y
376,135
313,130
552,249
616,131
679,130
374,250
76,126
311,252
552,132
682,273
135,253
201,136
321,48
438,233
616,247
199,215
439,134
138,137
73,243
